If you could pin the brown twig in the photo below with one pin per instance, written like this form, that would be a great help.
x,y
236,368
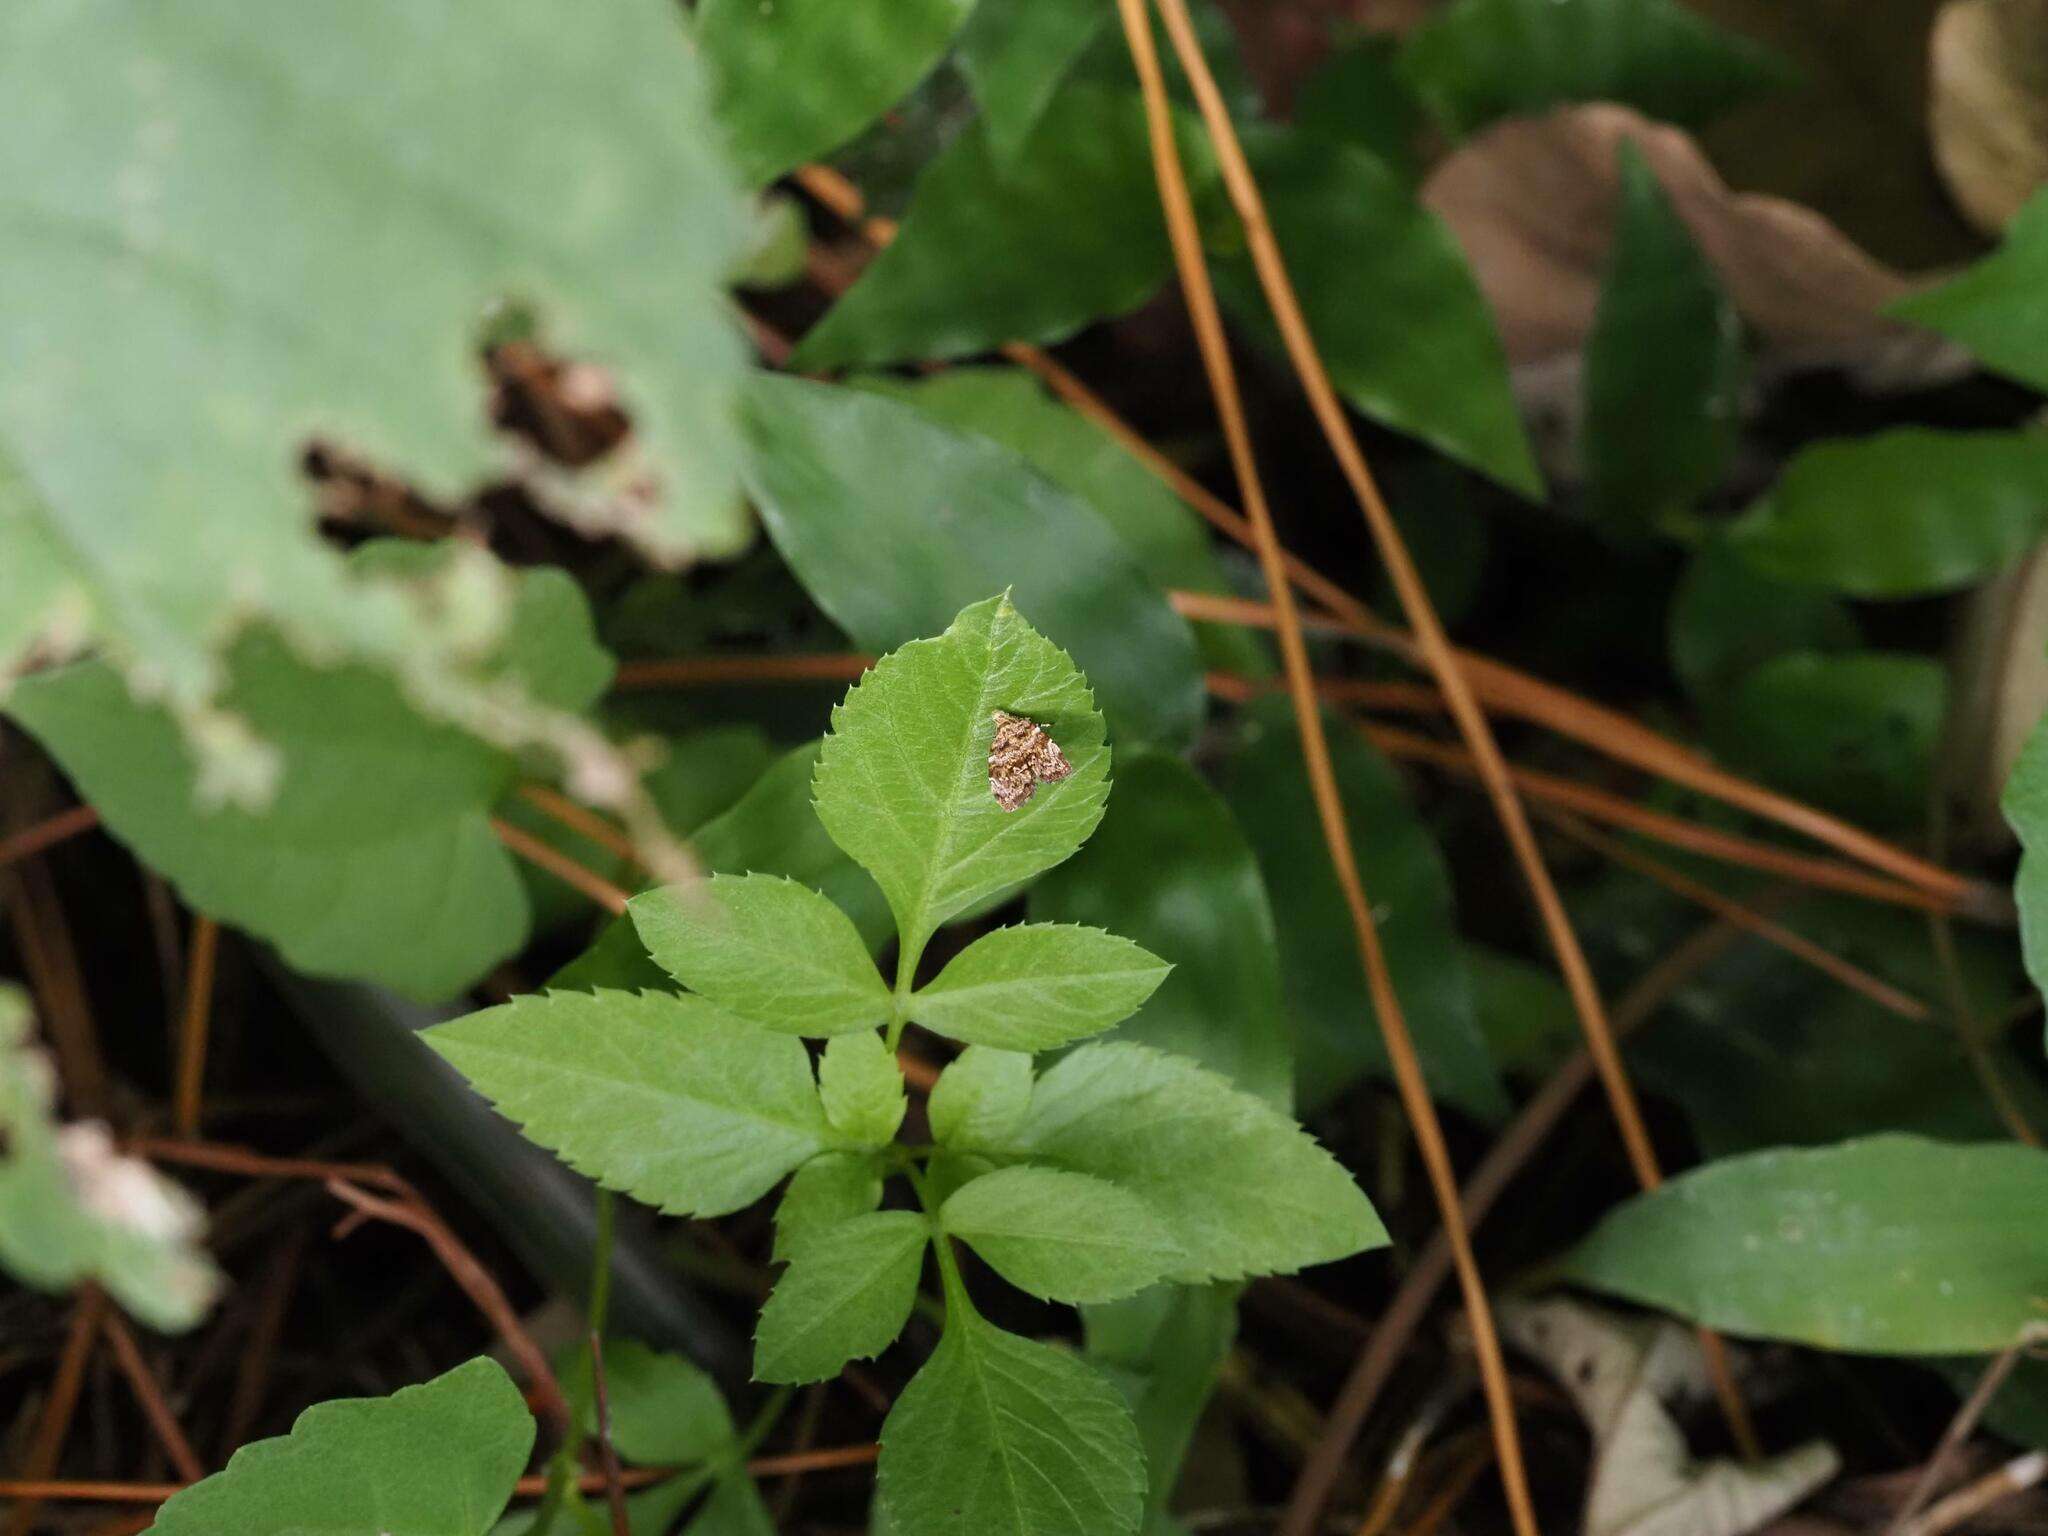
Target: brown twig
x,y
1201,302
52,965
47,834
192,1032
561,866
2016,1476
580,819
58,1408
149,1396
1968,1412
718,671
608,1459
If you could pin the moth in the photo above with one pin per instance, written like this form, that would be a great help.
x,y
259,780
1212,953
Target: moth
x,y
1021,758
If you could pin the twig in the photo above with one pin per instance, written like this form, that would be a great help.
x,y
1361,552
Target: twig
x,y
191,1081
615,1491
52,965
47,834
561,866
62,1402
1968,1412
579,818
259,1353
2016,1476
149,1396
714,671
1421,1113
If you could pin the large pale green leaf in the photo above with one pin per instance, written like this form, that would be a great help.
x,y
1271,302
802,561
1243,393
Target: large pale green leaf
x,y
1036,986
1336,1036
660,1096
845,1296
896,523
73,1209
1061,1236
1664,365
960,518
1067,233
375,859
793,79
1401,323
437,1459
191,294
1170,867
1994,307
1004,1436
980,1098
1888,1245
1477,60
861,1087
1854,730
1903,514
1015,53
902,781
1242,1188
768,950
1166,537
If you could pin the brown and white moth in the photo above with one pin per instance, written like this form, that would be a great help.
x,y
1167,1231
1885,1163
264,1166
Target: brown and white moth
x,y
1021,758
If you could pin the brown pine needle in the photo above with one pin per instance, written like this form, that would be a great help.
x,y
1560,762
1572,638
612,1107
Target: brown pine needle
x,y
149,1396
47,833
580,819
190,1089
1201,301
561,866
58,1407
710,671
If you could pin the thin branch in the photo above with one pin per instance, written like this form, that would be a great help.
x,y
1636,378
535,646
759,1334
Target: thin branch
x,y
1201,301
1968,1412
561,866
58,1408
149,1396
190,1089
715,671
614,1489
47,834
2016,1476
580,819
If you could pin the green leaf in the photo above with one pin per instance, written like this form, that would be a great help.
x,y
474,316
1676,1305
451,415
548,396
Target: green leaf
x,y
1036,986
1241,1187
1009,1437
861,1088
1008,406
187,196
767,950
1061,1236
1402,326
1728,618
376,858
846,1295
980,1098
963,518
437,1459
663,1410
1337,1038
1067,233
902,781
1015,53
1994,307
825,1191
2025,805
1165,1349
1478,60
660,1096
1855,731
1664,365
1358,95
1170,867
794,79
72,1209
1889,1245
1903,514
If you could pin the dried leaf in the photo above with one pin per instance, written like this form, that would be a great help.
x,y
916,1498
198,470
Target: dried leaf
x,y
1988,105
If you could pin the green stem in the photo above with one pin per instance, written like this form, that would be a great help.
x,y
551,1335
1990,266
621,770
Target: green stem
x,y
907,956
562,1467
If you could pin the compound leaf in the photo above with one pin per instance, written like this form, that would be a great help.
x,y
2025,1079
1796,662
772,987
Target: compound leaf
x,y
845,1296
1038,985
862,1088
1061,1236
835,1187
979,1098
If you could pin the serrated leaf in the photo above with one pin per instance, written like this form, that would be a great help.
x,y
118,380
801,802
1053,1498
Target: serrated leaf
x,y
1164,1348
438,1459
964,518
767,950
1009,1437
1907,513
833,1188
188,188
1036,986
980,1098
1241,1188
1061,1236
1994,307
1015,53
1478,60
375,860
862,1088
1336,1036
73,1209
1888,1245
1664,365
902,782
661,1096
1067,233
1170,867
1422,356
794,79
847,1293
1166,538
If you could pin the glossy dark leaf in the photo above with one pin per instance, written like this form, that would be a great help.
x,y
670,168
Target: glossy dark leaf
x,y
1994,308
1728,618
1360,96
1015,53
